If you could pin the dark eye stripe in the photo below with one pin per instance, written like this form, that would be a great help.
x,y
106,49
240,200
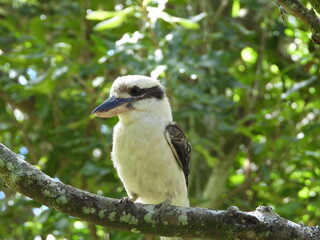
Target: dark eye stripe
x,y
155,92
136,91
152,92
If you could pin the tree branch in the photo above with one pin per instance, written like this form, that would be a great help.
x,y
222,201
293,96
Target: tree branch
x,y
308,16
315,4
262,224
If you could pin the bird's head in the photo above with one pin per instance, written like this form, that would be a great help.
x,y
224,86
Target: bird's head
x,y
134,96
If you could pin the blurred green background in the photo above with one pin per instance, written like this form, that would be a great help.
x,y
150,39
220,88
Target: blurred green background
x,y
243,86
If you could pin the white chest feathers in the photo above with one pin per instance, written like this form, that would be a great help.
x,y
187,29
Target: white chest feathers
x,y
146,164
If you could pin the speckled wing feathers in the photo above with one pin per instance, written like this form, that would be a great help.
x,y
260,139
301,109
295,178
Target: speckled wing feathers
x,y
179,146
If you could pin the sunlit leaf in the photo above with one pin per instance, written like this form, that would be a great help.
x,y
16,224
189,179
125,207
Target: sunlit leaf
x,y
186,23
249,55
110,23
235,8
237,179
114,18
304,193
101,15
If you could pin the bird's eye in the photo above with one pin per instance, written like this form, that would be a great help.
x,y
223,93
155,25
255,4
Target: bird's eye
x,y
135,91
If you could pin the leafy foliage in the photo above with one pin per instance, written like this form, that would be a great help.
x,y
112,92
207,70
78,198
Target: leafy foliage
x,y
243,86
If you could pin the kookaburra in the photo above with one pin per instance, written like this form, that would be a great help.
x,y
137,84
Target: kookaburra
x,y
150,152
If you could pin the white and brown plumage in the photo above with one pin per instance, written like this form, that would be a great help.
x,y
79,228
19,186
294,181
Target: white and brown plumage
x,y
150,152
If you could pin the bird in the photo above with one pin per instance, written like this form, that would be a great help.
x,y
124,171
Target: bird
x,y
150,152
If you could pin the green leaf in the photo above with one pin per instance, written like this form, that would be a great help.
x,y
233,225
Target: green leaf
x,y
298,86
186,23
110,23
115,21
199,17
22,59
249,55
58,72
237,179
101,15
304,193
211,160
235,8
43,84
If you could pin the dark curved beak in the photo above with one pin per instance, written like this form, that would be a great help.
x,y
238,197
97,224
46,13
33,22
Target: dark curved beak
x,y
112,106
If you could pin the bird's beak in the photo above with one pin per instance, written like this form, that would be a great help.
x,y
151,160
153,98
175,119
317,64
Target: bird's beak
x,y
112,106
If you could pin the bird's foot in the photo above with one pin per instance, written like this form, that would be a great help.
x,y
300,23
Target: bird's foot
x,y
161,207
233,208
127,202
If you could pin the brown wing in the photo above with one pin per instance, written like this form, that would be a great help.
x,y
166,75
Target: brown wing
x,y
179,146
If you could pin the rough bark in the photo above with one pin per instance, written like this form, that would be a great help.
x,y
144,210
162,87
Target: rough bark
x,y
307,16
261,224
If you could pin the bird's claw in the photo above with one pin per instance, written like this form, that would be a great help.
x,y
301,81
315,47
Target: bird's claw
x,y
161,207
128,200
125,200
